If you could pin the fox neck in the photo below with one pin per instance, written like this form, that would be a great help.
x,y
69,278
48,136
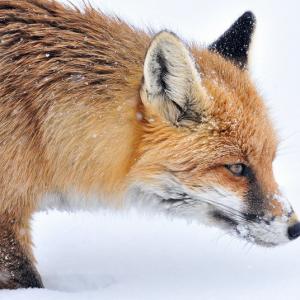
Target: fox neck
x,y
99,156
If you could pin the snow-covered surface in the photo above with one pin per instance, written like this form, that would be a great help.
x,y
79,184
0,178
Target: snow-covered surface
x,y
107,255
104,256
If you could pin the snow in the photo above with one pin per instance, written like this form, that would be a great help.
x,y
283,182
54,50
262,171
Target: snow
x,y
109,256
106,255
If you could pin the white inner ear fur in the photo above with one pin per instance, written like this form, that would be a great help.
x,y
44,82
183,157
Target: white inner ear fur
x,y
171,78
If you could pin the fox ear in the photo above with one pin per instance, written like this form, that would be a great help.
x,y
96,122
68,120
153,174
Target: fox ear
x,y
171,79
235,42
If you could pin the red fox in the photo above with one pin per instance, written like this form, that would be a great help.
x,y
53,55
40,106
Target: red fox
x,y
91,106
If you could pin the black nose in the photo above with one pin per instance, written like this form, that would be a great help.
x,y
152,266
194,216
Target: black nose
x,y
294,231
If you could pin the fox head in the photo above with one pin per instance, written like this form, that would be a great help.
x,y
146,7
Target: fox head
x,y
208,144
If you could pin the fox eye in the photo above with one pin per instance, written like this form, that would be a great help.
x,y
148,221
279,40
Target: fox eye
x,y
236,169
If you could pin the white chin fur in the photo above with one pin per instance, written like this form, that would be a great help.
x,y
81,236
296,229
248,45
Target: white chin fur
x,y
201,204
263,234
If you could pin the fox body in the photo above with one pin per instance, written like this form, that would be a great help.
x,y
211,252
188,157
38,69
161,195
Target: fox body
x,y
91,106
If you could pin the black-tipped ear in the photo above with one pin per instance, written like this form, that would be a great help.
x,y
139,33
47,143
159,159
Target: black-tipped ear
x,y
235,42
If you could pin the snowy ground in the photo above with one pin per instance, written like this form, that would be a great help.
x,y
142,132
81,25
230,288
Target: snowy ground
x,y
130,256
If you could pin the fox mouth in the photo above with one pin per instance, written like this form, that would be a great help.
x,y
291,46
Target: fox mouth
x,y
215,207
243,231
221,217
250,227
242,228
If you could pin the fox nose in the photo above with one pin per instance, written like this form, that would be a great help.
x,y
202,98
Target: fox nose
x,y
294,231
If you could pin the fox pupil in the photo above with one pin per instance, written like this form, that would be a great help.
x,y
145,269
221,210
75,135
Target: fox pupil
x,y
236,169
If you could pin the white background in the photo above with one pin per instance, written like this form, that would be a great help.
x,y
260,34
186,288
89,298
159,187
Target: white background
x,y
111,256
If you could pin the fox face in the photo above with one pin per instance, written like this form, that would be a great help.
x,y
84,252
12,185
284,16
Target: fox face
x,y
207,142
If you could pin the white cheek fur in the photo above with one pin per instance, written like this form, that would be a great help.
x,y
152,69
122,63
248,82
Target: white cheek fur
x,y
201,204
196,204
